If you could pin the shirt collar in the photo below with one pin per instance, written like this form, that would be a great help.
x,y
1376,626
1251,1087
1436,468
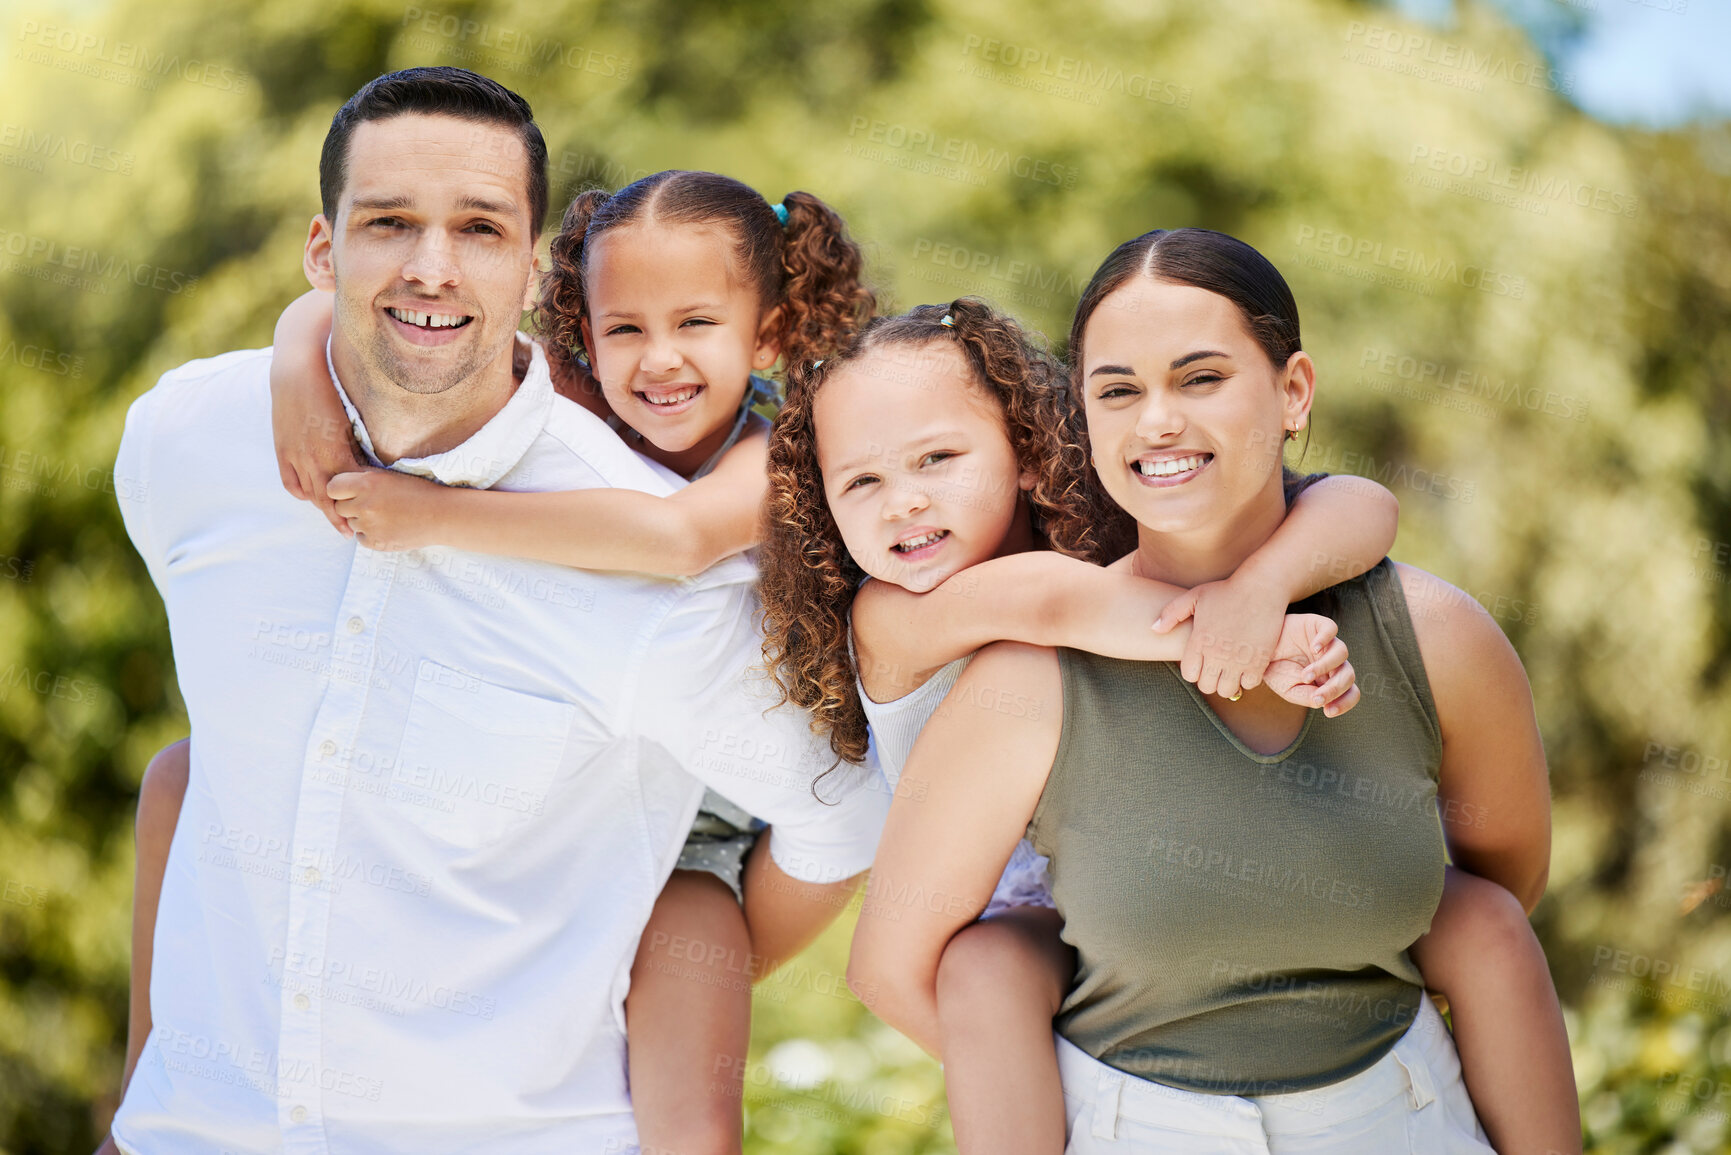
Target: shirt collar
x,y
493,450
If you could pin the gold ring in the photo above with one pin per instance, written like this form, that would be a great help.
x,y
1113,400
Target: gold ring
x,y
1235,695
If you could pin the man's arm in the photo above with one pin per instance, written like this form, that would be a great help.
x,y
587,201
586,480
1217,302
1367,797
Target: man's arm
x,y
782,914
159,799
698,689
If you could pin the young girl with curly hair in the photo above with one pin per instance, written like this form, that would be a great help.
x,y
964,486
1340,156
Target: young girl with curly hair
x,y
928,496
662,302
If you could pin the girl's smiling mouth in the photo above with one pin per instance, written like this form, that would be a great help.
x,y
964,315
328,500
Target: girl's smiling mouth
x,y
920,545
669,399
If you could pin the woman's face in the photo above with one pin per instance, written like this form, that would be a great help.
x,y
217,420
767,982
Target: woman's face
x,y
917,465
1185,412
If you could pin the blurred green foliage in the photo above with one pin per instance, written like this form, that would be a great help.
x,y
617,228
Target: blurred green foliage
x,y
1522,319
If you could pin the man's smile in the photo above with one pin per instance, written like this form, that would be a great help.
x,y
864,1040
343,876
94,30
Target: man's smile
x,y
427,328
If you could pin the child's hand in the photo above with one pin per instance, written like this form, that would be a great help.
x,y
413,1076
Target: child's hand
x,y
1310,667
314,442
386,510
1238,625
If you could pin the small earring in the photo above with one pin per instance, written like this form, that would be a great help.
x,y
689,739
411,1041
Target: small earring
x,y
1292,435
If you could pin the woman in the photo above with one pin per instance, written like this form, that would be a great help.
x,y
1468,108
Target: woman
x,y
1240,884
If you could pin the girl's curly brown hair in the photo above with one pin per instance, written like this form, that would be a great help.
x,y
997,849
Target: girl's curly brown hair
x,y
808,266
807,578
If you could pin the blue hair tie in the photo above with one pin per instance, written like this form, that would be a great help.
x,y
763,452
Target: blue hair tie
x,y
780,213
947,321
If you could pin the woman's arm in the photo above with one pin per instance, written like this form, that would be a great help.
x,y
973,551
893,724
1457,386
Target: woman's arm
x,y
313,437
1337,528
973,780
1494,787
598,529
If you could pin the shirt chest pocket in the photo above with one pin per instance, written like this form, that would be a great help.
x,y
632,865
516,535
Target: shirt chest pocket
x,y
476,760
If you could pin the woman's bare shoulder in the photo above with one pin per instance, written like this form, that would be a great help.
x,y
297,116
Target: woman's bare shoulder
x,y
1009,683
1466,655
1443,615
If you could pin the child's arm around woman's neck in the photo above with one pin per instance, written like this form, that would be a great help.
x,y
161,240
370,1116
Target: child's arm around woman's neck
x,y
1038,597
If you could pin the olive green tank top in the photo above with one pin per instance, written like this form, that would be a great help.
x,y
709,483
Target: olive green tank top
x,y
1241,919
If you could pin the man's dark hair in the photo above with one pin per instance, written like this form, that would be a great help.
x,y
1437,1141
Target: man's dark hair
x,y
438,90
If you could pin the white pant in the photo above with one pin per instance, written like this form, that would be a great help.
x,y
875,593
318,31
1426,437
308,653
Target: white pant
x,y
1411,1102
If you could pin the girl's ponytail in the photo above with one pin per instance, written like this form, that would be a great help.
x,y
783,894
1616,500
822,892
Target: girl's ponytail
x,y
822,294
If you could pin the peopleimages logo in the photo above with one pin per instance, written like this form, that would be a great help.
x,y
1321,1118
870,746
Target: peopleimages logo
x,y
517,49
1473,383
928,144
1072,77
48,256
1409,261
91,51
1498,175
42,358
39,145
1446,61
982,263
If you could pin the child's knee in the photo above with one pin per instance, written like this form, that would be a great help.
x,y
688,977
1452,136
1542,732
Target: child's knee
x,y
697,922
1507,929
1483,909
1480,928
697,894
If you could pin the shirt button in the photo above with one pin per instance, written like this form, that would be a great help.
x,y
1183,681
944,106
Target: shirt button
x,y
327,748
312,875
356,625
299,1114
302,1002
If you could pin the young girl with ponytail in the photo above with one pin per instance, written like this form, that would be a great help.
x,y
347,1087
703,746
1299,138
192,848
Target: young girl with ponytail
x,y
662,302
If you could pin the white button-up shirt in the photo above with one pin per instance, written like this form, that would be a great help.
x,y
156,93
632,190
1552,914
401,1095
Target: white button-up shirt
x,y
434,794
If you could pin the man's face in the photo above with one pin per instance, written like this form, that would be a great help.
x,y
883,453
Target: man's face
x,y
431,253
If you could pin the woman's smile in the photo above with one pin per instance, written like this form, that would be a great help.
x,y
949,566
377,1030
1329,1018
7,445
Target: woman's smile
x,y
1165,470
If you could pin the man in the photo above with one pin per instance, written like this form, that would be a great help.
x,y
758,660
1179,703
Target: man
x,y
433,795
